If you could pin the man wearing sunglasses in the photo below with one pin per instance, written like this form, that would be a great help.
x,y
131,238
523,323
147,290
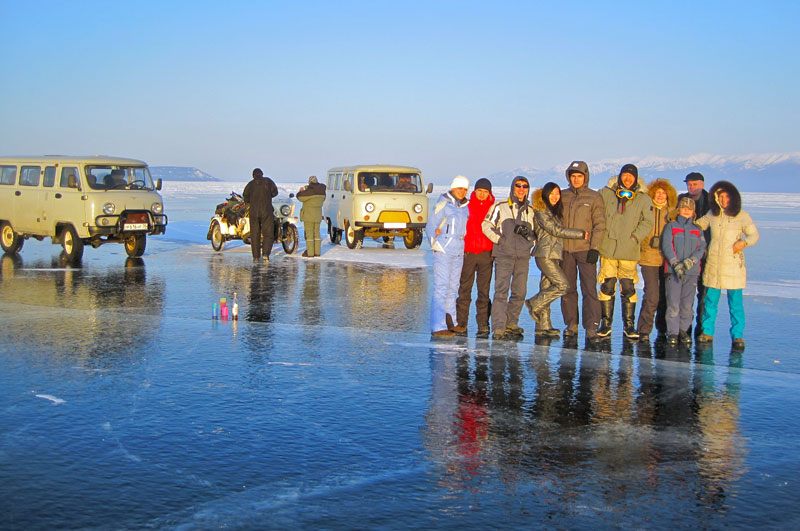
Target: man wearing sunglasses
x,y
629,220
511,227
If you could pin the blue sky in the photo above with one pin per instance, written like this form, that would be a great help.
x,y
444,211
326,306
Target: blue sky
x,y
450,87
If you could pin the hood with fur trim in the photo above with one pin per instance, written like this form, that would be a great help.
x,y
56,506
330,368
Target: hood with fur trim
x,y
537,200
672,194
734,199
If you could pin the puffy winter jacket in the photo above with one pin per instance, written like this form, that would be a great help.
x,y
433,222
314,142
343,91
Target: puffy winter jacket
x,y
583,209
683,239
549,231
450,217
475,240
499,226
636,221
724,269
312,198
258,194
651,256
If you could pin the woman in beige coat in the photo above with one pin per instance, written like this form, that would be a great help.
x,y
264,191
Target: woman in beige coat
x,y
732,230
651,261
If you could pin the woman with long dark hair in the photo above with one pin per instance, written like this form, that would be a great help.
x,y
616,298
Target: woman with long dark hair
x,y
548,212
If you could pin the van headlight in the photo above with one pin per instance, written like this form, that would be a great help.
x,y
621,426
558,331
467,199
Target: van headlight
x,y
418,208
157,208
286,210
109,208
369,207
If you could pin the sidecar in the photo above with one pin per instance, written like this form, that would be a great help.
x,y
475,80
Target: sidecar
x,y
231,221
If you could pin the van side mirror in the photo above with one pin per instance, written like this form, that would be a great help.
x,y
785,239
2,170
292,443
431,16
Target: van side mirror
x,y
158,184
429,189
347,186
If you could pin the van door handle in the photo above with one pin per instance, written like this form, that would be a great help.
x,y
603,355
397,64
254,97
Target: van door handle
x,y
17,193
58,196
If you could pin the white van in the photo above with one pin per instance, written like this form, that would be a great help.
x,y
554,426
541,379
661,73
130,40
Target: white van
x,y
77,201
376,201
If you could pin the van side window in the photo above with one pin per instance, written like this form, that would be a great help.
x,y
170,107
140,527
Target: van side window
x,y
330,181
49,176
29,175
8,174
66,182
339,181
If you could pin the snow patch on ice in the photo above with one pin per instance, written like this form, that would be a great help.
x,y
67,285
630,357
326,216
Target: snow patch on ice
x,y
399,258
784,289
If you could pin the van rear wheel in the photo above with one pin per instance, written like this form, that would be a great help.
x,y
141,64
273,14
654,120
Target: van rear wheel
x,y
10,240
334,234
72,245
135,245
353,238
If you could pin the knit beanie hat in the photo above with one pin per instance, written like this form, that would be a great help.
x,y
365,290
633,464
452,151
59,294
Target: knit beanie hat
x,y
483,184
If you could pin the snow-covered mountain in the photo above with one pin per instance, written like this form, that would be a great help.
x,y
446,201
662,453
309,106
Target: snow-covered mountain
x,y
757,172
180,173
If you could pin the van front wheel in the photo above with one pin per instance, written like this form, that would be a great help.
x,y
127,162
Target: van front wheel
x,y
412,239
10,240
135,245
353,238
72,245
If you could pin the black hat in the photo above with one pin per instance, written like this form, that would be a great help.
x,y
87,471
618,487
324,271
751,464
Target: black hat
x,y
258,173
630,168
483,184
694,176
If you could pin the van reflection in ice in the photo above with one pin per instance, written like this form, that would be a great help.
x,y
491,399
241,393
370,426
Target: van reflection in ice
x,y
112,310
581,429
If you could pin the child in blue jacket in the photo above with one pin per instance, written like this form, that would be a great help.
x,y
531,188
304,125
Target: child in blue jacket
x,y
683,245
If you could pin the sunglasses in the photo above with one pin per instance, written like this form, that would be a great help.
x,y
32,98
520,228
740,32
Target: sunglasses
x,y
521,185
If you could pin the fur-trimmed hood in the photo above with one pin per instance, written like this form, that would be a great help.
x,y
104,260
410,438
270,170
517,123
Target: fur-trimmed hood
x,y
734,199
537,200
672,194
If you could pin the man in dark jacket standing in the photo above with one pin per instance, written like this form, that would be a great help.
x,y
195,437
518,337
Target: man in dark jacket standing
x,y
695,184
583,209
258,194
312,197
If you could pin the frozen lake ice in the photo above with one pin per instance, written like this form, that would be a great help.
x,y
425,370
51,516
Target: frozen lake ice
x,y
327,406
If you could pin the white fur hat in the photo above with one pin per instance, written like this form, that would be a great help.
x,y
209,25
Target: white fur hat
x,y
459,181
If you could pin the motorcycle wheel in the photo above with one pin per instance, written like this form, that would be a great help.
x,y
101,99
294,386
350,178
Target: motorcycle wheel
x,y
217,239
290,240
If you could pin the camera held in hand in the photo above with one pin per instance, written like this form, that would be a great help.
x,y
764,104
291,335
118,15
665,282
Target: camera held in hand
x,y
655,242
523,231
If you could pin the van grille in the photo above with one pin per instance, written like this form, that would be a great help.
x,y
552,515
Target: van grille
x,y
389,216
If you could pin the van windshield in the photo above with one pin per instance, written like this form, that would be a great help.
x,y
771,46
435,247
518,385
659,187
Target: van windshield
x,y
389,182
112,177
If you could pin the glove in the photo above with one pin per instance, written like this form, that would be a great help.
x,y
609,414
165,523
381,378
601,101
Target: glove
x,y
680,270
592,256
688,264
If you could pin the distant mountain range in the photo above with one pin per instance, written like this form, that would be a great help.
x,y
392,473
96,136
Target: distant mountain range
x,y
180,173
758,172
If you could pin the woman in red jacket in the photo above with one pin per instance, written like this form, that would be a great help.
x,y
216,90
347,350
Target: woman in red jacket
x,y
477,263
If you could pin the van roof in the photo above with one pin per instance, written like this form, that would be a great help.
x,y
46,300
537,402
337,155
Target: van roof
x,y
376,168
67,159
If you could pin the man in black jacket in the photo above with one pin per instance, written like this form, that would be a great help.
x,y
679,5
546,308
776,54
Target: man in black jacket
x,y
258,194
695,184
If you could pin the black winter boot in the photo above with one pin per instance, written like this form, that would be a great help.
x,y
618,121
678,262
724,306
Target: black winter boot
x,y
607,320
629,318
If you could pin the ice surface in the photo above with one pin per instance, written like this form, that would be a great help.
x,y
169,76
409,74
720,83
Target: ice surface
x,y
328,406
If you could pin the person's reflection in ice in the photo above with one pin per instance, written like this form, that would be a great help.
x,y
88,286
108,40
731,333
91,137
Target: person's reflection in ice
x,y
310,303
259,307
721,450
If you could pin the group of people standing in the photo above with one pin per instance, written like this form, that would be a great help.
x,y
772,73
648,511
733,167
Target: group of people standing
x,y
688,246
